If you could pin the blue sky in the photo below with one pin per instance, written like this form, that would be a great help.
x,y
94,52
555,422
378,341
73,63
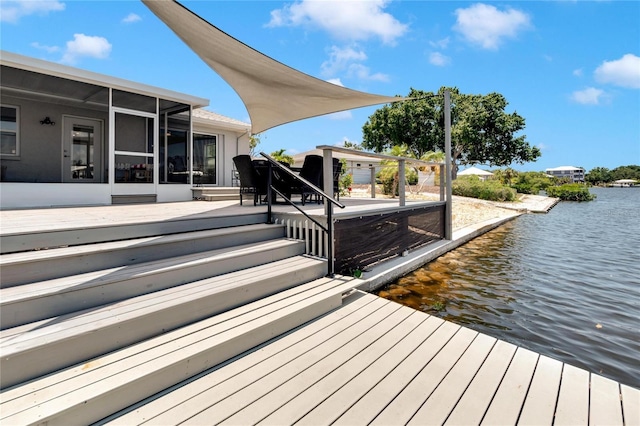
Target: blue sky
x,y
570,68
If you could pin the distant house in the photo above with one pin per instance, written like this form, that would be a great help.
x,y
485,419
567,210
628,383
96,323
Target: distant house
x,y
75,137
474,171
575,174
358,166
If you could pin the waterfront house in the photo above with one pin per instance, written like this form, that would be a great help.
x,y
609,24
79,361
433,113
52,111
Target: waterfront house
x,y
575,174
75,137
474,171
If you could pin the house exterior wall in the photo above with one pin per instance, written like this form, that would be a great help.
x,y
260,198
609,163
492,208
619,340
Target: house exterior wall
x,y
575,174
41,145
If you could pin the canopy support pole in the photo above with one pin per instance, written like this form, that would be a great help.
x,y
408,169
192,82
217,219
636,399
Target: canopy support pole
x,y
448,230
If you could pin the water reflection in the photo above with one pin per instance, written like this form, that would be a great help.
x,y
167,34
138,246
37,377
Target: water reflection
x,y
563,284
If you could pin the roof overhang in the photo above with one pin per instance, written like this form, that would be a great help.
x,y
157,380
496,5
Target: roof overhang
x,y
46,68
272,92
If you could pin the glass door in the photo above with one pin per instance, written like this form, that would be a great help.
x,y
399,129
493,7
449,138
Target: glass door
x,y
204,159
82,149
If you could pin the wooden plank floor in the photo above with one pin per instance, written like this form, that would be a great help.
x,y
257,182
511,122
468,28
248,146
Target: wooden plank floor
x,y
373,361
51,219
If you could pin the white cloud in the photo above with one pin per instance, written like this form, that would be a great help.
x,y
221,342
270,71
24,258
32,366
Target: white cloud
x,y
341,115
362,72
578,72
131,18
344,20
487,26
440,44
348,60
438,59
588,96
86,46
49,49
13,10
624,72
340,58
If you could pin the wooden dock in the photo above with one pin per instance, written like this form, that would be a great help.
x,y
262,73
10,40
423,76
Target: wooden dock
x,y
373,361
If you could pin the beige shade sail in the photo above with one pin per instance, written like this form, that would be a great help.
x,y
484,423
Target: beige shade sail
x,y
272,92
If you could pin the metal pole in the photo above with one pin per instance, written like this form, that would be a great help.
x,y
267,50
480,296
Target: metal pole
x,y
442,183
448,230
269,192
373,181
401,182
327,169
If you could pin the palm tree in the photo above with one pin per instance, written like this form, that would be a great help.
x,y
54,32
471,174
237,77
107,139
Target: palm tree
x,y
280,156
433,157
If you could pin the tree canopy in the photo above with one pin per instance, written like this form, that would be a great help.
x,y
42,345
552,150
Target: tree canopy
x,y
481,131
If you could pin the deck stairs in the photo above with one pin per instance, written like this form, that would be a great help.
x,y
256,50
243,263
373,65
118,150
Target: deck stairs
x,y
215,193
90,327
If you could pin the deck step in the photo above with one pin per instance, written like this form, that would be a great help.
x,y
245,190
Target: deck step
x,y
219,193
31,266
219,197
46,299
36,240
41,347
95,388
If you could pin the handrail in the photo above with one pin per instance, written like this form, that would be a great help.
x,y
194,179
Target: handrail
x,y
329,228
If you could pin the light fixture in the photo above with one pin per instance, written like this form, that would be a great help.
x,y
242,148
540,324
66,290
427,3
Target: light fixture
x,y
47,121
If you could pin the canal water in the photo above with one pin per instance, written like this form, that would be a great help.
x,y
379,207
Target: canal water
x,y
565,284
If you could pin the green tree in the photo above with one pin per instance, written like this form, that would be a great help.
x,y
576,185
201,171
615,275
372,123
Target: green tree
x,y
353,145
481,130
254,141
389,174
598,176
626,172
279,155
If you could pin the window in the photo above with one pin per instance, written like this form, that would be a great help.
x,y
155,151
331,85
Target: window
x,y
10,141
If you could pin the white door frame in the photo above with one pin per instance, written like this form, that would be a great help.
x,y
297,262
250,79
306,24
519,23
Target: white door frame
x,y
68,122
132,188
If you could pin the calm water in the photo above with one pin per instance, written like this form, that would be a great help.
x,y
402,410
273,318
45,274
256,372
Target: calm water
x,y
565,284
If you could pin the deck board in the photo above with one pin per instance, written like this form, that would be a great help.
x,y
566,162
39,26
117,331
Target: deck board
x,y
181,401
437,407
407,402
604,403
344,372
474,402
630,405
226,399
541,403
254,402
374,361
374,401
341,400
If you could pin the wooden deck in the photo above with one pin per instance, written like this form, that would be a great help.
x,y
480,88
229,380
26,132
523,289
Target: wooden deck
x,y
60,218
373,361
368,361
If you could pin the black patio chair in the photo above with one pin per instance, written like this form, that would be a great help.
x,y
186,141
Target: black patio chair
x,y
312,172
337,171
250,181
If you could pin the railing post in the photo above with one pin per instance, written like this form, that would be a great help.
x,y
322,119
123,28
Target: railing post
x,y
442,183
373,181
401,182
331,266
327,170
269,191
